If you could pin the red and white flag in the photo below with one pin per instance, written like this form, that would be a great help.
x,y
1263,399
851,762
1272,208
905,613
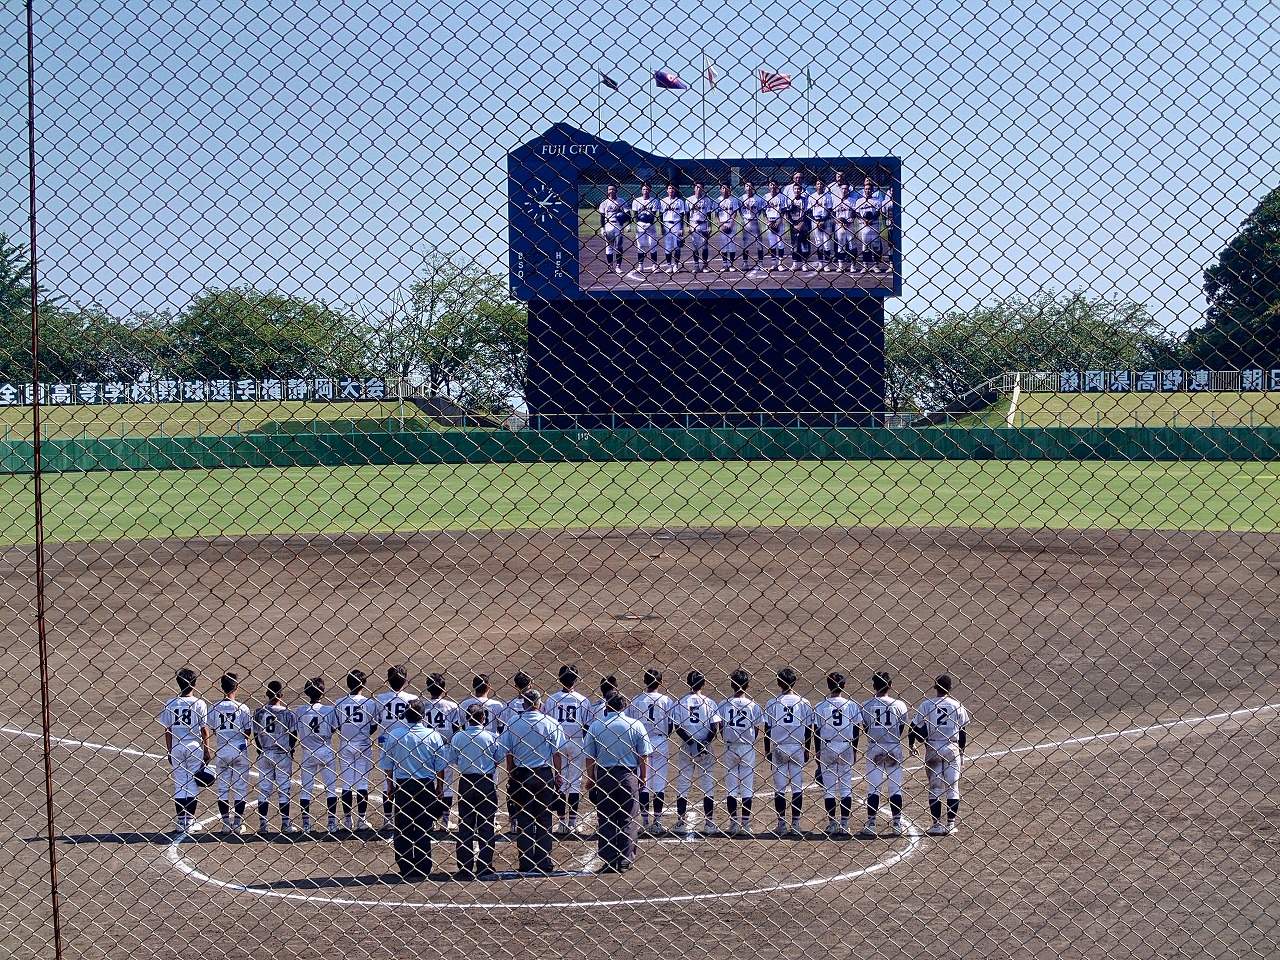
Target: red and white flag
x,y
709,70
774,82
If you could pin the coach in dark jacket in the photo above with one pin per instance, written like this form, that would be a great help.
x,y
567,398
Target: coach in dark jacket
x,y
618,750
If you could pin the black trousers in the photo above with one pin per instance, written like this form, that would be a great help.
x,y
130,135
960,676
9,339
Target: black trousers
x,y
533,793
477,811
415,807
616,804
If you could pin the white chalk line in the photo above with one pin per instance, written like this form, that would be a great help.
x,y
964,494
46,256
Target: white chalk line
x,y
913,834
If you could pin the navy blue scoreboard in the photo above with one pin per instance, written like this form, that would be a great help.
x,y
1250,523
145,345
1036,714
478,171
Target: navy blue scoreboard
x,y
718,292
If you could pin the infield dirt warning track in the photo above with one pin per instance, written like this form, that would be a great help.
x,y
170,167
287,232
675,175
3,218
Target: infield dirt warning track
x,y
1121,683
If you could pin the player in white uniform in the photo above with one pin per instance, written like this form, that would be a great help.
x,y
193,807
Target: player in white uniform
x,y
847,225
728,209
391,706
752,207
441,714
357,717
316,724
515,706
741,720
613,217
655,710
492,708
598,708
797,212
836,725
700,209
186,740
788,733
675,215
232,725
570,709
941,722
884,720
275,735
696,725
823,233
873,212
775,221
644,213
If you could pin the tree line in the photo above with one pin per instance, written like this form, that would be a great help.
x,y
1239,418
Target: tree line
x,y
456,331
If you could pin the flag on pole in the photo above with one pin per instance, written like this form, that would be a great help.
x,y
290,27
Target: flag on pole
x,y
607,81
774,82
667,80
709,70
808,80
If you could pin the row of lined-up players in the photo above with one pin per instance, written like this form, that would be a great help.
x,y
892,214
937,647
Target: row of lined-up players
x,y
210,745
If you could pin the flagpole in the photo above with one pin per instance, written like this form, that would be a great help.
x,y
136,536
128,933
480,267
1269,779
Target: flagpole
x,y
755,97
808,112
704,103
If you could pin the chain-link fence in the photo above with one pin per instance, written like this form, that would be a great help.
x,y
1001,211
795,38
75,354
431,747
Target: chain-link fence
x,y
790,482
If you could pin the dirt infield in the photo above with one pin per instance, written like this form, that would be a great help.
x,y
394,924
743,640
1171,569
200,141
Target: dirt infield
x,y
1111,808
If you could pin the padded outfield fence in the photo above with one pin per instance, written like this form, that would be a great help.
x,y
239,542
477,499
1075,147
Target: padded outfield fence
x,y
462,349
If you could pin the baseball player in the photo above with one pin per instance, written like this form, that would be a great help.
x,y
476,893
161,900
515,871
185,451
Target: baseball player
x,y
700,210
823,234
941,722
775,210
232,725
797,214
275,734
357,717
598,708
728,208
441,714
570,709
515,706
675,216
740,721
480,697
316,724
788,723
644,213
186,740
752,207
836,725
613,217
847,221
696,725
873,211
654,709
884,720
391,706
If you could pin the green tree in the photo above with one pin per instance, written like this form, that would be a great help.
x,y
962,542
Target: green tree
x,y
15,312
458,333
245,332
941,361
1242,323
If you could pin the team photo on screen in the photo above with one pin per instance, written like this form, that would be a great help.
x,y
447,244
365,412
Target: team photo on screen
x,y
707,229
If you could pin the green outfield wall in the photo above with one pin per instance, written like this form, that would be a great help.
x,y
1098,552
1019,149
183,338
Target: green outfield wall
x,y
318,450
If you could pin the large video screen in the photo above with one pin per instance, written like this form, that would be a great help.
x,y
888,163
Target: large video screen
x,y
719,227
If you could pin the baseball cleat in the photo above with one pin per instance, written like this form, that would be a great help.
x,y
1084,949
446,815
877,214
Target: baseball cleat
x,y
896,829
833,829
868,831
937,830
363,824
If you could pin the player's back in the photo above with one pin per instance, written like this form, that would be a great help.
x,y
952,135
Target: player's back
x,y
884,719
942,719
441,714
572,711
836,718
315,723
654,710
184,717
695,714
392,704
273,728
493,710
357,717
231,723
741,718
788,717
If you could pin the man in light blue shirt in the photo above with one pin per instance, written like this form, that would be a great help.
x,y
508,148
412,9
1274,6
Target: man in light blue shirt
x,y
475,752
532,742
618,750
419,757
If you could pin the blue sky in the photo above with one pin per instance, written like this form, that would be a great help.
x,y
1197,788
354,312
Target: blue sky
x,y
325,147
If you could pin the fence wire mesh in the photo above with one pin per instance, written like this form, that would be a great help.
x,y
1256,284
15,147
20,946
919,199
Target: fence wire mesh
x,y
728,360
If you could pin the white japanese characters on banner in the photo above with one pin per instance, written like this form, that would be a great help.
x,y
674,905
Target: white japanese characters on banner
x,y
196,391
1158,381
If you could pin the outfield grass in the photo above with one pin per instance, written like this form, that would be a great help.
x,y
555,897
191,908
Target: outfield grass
x,y
185,419
1040,494
1207,409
